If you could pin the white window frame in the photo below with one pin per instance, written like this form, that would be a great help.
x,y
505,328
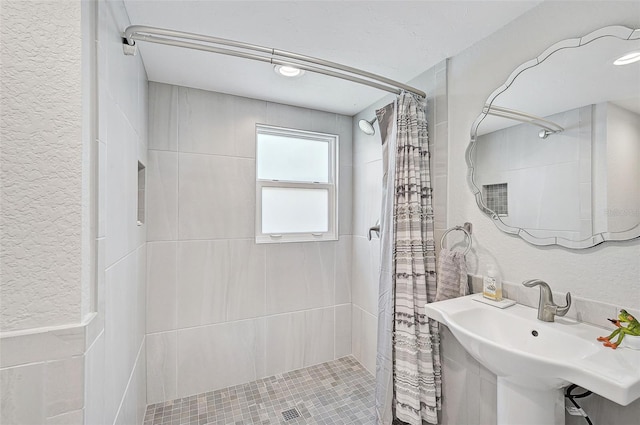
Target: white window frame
x,y
332,186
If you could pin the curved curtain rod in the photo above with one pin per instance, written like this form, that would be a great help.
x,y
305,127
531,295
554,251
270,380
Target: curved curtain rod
x,y
499,111
263,54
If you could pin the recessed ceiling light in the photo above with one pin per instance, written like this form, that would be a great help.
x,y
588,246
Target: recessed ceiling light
x,y
288,71
628,58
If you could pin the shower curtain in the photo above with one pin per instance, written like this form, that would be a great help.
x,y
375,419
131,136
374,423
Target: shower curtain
x,y
408,381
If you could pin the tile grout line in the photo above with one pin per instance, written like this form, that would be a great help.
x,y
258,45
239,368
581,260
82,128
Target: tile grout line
x,y
177,233
264,317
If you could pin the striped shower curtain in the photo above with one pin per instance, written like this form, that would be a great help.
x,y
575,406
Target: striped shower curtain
x,y
408,380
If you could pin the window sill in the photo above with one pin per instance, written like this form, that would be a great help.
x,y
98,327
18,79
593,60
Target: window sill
x,y
295,237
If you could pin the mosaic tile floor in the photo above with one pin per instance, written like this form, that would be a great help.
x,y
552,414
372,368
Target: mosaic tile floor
x,y
340,392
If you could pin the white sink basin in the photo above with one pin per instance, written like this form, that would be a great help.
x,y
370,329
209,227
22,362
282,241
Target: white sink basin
x,y
536,359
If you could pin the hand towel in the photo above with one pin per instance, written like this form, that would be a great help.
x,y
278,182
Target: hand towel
x,y
452,275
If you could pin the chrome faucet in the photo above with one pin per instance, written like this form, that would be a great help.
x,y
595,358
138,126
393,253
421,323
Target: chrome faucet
x,y
547,309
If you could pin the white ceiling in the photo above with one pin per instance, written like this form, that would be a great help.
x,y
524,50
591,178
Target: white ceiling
x,y
395,39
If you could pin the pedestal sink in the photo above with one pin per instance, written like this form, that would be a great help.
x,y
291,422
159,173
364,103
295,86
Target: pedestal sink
x,y
534,360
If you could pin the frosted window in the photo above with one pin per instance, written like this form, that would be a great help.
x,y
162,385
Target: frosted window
x,y
290,210
292,159
296,185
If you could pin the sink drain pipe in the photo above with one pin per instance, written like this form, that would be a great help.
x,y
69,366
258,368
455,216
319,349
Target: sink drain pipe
x,y
578,411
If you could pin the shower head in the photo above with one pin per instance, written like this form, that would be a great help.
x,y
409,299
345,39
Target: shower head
x,y
544,133
367,126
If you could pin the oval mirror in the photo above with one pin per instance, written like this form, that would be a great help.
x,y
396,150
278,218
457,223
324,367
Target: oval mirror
x,y
554,156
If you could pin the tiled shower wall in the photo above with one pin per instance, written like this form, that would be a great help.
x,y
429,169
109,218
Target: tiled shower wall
x,y
367,198
115,374
222,310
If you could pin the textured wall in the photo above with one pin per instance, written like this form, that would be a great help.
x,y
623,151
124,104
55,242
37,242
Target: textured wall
x,y
41,167
41,220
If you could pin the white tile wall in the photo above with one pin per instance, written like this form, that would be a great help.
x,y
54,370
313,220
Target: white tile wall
x,y
139,380
133,405
70,418
114,371
121,345
364,278
300,276
53,344
162,195
139,323
102,185
208,281
296,340
163,117
289,116
343,253
344,127
94,385
356,332
364,331
367,192
217,356
345,199
64,386
220,281
209,123
43,392
343,328
121,170
161,366
162,274
23,394
324,122
216,197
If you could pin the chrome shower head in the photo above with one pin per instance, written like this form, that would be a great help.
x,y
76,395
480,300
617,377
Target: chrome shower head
x,y
367,126
543,134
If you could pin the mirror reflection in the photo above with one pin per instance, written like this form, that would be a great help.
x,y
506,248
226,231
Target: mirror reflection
x,y
555,154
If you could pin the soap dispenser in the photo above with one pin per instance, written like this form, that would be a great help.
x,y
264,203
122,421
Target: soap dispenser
x,y
492,284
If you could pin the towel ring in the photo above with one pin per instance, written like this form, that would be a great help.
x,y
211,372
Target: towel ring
x,y
463,229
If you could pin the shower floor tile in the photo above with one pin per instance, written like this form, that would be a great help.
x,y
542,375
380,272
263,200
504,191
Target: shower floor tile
x,y
340,392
